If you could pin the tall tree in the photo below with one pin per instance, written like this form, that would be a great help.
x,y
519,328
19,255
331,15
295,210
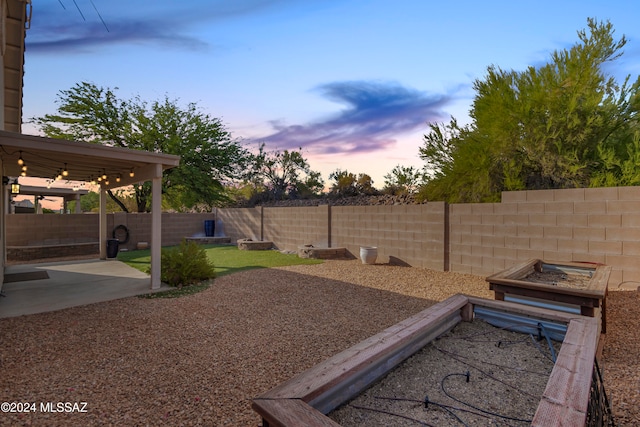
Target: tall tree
x,y
547,127
348,184
209,154
402,180
284,174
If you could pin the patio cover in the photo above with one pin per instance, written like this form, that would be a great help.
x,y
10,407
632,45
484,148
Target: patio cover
x,y
67,194
47,157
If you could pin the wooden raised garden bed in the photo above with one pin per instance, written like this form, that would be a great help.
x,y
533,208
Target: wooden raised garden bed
x,y
565,286
306,399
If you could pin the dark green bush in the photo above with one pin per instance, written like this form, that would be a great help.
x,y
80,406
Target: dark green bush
x,y
185,265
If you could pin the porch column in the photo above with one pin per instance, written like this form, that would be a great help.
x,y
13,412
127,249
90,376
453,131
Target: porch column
x,y
156,226
103,223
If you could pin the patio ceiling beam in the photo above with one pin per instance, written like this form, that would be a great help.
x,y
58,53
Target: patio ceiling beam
x,y
46,157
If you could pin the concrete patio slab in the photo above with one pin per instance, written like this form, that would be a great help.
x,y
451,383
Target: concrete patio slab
x,y
70,284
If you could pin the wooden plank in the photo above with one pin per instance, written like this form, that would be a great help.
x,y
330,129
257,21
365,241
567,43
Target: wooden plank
x,y
466,313
566,397
600,280
563,290
314,381
517,271
290,413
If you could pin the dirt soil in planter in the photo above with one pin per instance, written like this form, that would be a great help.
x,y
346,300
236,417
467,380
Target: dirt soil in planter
x,y
558,278
200,359
502,367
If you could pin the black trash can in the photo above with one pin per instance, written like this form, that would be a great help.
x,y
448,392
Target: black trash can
x,y
112,248
209,227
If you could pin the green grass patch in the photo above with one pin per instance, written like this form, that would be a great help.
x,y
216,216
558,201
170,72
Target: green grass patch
x,y
226,259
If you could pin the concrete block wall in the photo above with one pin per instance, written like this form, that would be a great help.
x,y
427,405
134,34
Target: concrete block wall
x,y
597,225
241,223
175,227
403,234
289,228
39,230
47,230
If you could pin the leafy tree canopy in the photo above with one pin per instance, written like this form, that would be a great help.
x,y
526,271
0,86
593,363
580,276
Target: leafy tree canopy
x,y
209,154
402,180
348,184
565,124
284,174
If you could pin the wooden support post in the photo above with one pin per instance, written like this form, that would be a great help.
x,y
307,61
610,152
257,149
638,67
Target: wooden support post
x,y
466,313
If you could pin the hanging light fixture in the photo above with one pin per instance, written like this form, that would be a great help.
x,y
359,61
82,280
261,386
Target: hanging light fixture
x,y
131,173
104,174
20,160
65,172
15,187
118,178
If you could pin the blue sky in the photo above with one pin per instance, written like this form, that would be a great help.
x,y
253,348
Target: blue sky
x,y
353,82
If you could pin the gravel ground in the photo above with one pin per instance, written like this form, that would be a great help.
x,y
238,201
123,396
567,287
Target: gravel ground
x,y
200,359
503,366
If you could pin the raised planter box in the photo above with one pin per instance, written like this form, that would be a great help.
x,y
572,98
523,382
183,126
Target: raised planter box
x,y
27,253
209,240
568,286
305,399
254,245
310,251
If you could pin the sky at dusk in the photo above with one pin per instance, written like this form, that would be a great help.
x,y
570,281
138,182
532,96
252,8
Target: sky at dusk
x,y
355,83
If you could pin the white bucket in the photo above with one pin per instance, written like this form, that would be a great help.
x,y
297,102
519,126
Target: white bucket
x,y
368,254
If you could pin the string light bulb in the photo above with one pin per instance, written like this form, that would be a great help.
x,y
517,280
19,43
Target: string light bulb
x,y
104,174
24,167
131,173
118,178
20,160
65,172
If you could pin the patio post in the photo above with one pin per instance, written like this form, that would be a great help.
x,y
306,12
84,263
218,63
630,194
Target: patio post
x,y
156,226
103,224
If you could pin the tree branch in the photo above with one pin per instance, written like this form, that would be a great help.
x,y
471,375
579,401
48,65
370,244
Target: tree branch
x,y
118,202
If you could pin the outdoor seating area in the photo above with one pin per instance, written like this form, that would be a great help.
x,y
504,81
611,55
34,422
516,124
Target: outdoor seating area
x,y
51,286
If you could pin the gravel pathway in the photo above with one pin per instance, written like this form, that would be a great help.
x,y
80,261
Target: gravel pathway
x,y
198,360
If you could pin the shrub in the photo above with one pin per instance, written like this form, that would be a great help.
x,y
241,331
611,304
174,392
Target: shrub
x,y
185,265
